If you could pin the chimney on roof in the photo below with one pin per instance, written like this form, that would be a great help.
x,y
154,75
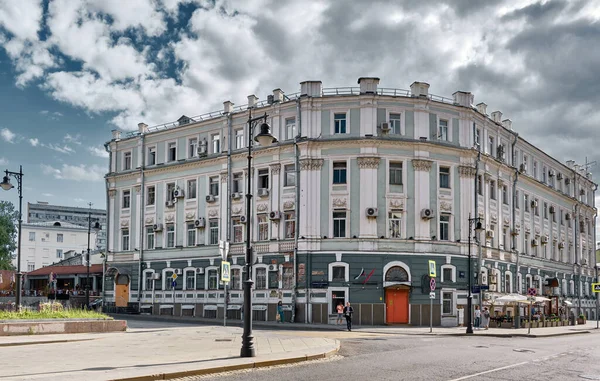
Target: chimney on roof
x,y
463,98
252,100
419,89
497,116
142,128
482,108
570,163
227,107
277,95
311,88
507,123
368,85
116,134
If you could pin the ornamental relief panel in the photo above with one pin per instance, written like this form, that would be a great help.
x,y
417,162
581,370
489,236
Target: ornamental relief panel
x,y
396,204
236,210
213,212
289,205
311,164
368,162
190,215
339,203
262,207
169,217
223,177
137,188
124,222
446,206
275,169
467,171
506,221
422,165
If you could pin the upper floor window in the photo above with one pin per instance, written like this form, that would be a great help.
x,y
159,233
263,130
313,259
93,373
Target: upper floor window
x,y
125,239
290,225
535,172
237,183
445,177
339,120
395,127
536,208
263,178
290,128
126,199
238,230
151,155
213,228
172,151
216,144
170,235
492,189
491,145
150,238
263,227
480,185
477,137
239,138
32,236
395,224
395,173
339,224
505,194
126,161
59,237
443,130
517,202
151,195
59,253
444,227
289,172
526,202
170,191
546,210
339,172
191,234
544,172
525,163
193,147
213,186
191,189
501,152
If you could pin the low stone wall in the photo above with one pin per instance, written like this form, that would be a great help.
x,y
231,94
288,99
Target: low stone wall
x,y
44,327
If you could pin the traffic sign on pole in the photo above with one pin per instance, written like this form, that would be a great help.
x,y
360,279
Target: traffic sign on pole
x,y
174,276
225,271
432,269
531,292
432,284
596,287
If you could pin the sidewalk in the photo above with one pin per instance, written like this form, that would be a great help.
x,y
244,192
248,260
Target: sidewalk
x,y
139,353
589,327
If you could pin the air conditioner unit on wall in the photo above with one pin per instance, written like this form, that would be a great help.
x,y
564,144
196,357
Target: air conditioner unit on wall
x,y
544,239
551,173
493,287
178,271
263,192
155,276
489,234
534,203
516,231
534,242
169,203
210,198
522,168
178,193
385,127
275,215
200,222
157,227
200,270
243,219
493,279
427,214
552,209
236,195
273,268
372,212
568,216
567,180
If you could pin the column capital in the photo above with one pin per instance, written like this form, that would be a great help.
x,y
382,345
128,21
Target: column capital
x,y
368,162
311,164
422,165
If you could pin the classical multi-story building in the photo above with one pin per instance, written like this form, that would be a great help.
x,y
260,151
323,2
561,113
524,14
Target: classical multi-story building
x,y
44,212
45,243
365,186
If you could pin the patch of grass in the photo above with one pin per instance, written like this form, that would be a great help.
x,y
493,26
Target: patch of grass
x,y
63,314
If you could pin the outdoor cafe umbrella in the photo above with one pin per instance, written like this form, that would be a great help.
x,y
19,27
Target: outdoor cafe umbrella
x,y
511,298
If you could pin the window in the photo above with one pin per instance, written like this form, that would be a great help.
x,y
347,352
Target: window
x,y
238,230
148,281
444,227
213,279
544,172
526,202
172,151
480,185
447,303
213,228
517,199
273,279
192,147
507,283
395,224
290,128
338,274
339,172
32,236
395,127
190,279
191,189
443,130
216,144
339,121
239,138
491,145
289,172
263,179
501,154
151,195
126,161
339,224
447,274
505,195
168,280
126,199
59,253
125,239
261,278
59,237
263,227
477,138
537,207
444,177
236,279
535,170
170,191
287,279
30,266
149,238
213,186
151,155
237,183
290,225
170,235
492,189
505,238
395,173
545,210
191,234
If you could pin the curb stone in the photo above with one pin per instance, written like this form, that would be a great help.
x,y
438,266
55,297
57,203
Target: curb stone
x,y
15,344
230,368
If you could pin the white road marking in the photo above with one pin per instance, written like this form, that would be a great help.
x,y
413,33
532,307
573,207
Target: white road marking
x,y
490,371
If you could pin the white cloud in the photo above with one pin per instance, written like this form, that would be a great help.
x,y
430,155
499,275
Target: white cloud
x,y
3,161
75,172
8,135
21,18
72,139
62,149
34,142
98,151
47,195
44,112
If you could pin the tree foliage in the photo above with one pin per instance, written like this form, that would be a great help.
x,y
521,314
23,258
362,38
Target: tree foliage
x,y
8,234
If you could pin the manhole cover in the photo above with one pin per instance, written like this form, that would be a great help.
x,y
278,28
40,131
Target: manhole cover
x,y
524,350
590,376
223,339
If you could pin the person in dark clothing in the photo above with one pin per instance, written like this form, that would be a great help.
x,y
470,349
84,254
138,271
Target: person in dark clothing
x,y
348,311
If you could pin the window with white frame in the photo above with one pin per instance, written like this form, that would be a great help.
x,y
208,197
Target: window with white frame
x,y
287,278
395,126
213,279
191,234
491,145
191,189
263,179
443,130
518,200
190,279
544,173
477,137
339,224
519,283
525,162
290,128
261,278
238,230
168,279
148,280
505,242
151,156
339,172
537,207
216,143
338,274
236,279
545,210
60,237
448,273
151,195
192,147
508,282
172,151
149,238
239,138
444,227
447,303
213,231
395,224
535,174
339,121
126,199
395,173
30,266
289,172
127,161
526,202
290,224
492,189
213,186
505,194
170,191
170,235
32,236
480,185
237,183
124,239
59,253
445,177
263,227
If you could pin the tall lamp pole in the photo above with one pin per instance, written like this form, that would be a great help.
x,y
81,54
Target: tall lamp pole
x,y
87,280
6,185
478,228
264,138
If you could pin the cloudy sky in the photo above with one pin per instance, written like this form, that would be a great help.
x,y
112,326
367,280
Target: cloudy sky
x,y
73,70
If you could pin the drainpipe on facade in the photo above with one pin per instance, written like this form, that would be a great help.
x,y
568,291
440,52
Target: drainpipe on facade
x,y
576,239
107,148
476,209
595,261
229,193
297,209
141,210
514,217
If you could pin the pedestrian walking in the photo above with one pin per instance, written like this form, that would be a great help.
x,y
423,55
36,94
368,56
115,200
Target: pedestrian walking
x,y
348,311
340,313
477,317
280,312
486,318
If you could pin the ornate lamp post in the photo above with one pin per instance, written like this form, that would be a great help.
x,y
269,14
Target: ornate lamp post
x,y
96,228
478,228
6,185
265,139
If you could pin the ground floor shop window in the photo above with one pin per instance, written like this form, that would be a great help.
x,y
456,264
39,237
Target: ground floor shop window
x,y
447,303
337,297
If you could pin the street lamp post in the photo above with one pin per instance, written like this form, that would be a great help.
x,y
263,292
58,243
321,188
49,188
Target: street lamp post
x,y
264,138
6,185
478,228
87,281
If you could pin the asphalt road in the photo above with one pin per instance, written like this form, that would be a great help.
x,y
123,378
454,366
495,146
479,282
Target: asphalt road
x,y
448,358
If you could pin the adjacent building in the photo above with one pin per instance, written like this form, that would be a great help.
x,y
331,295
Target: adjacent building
x,y
365,186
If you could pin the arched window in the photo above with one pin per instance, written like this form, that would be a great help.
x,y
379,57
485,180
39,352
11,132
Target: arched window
x,y
396,274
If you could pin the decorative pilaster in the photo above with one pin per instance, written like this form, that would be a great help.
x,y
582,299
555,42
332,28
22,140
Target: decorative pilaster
x,y
112,193
368,162
467,171
422,165
275,169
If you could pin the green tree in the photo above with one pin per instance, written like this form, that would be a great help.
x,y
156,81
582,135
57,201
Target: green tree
x,y
8,234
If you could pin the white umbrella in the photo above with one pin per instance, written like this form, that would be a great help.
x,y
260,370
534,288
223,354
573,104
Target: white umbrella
x,y
511,298
536,299
567,303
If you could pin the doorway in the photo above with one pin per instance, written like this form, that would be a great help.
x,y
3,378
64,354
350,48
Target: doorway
x,y
121,291
396,304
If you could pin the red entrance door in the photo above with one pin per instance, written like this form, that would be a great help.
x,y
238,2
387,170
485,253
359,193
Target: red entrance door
x,y
396,303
